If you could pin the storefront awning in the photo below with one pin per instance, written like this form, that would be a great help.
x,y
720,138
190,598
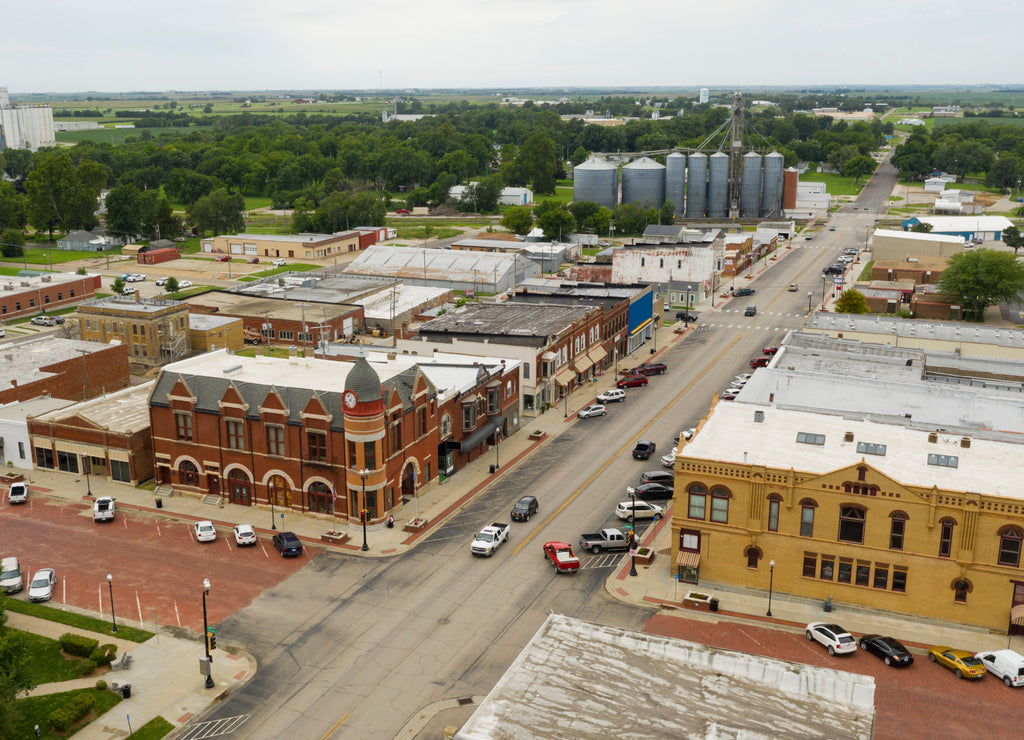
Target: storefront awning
x,y
1017,614
581,364
641,327
473,440
687,559
564,377
597,354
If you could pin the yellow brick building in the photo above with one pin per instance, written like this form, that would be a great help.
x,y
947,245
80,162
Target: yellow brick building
x,y
154,330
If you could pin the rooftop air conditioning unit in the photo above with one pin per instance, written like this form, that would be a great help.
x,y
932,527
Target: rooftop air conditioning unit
x,y
848,437
933,437
46,278
965,441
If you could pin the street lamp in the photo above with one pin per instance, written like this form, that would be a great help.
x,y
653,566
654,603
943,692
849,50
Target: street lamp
x,y
113,620
566,414
632,532
497,448
824,279
206,636
810,295
771,578
362,511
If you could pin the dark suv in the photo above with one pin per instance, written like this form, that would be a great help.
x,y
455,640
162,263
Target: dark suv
x,y
644,449
743,291
665,477
685,316
650,368
524,508
287,544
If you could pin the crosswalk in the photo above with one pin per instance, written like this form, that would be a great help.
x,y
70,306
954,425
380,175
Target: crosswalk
x,y
213,728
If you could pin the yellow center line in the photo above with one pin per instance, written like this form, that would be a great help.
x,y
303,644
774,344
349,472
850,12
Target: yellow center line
x,y
335,726
625,447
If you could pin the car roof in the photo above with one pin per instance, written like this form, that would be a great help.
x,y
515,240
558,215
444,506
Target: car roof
x,y
244,527
557,544
527,498
204,521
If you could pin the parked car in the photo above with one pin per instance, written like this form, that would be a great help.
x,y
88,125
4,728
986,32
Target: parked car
x,y
245,535
686,435
961,662
729,395
644,449
750,311
593,410
279,262
1004,664
650,368
846,259
738,383
561,556
58,319
832,636
850,250
524,508
889,649
182,284
403,211
831,228
129,290
808,238
632,510
103,509
40,588
632,381
42,321
792,288
607,539
744,376
613,395
10,575
770,350
761,361
287,544
743,291
161,281
686,316
651,491
665,477
253,261
18,493
136,277
222,258
205,531
835,269
670,459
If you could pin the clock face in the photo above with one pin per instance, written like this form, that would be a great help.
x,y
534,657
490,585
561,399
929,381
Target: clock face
x,y
350,399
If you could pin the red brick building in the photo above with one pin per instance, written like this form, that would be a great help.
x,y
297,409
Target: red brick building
x,y
295,433
26,296
64,368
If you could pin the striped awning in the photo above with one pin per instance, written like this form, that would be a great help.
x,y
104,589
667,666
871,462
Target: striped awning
x,y
597,354
581,364
564,377
687,559
1017,614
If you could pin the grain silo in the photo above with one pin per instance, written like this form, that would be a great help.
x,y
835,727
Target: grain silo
x,y
718,185
643,181
697,186
771,185
750,186
675,181
596,180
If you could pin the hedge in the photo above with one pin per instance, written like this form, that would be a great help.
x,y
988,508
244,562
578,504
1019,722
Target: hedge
x,y
64,718
73,644
104,654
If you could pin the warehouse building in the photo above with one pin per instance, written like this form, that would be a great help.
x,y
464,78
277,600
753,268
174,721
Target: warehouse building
x,y
474,272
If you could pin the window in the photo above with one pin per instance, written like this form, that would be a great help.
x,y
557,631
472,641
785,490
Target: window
x,y
275,440
1009,546
235,434
493,404
810,565
320,499
946,537
188,474
120,471
183,422
810,439
369,455
753,555
961,588
720,506
44,458
446,425
881,576
421,422
845,573
869,448
807,518
773,514
395,432
67,461
863,574
899,581
289,335
468,416
698,501
896,530
21,450
827,566
316,444
351,462
851,524
526,371
944,461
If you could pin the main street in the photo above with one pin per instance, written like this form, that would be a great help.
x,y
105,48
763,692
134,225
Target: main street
x,y
351,647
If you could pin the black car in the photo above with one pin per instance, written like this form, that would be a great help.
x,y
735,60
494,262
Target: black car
x,y
889,649
644,449
685,316
835,269
665,477
743,291
652,492
287,544
524,508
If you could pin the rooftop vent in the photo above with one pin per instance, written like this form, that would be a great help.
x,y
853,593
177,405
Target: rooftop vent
x,y
848,437
933,437
232,368
758,417
965,441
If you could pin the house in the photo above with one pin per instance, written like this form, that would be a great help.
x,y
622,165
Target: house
x,y
83,241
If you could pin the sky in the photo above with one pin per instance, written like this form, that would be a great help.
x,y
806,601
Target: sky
x,y
118,46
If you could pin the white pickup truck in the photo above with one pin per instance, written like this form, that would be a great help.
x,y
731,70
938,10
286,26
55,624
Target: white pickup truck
x,y
103,509
490,538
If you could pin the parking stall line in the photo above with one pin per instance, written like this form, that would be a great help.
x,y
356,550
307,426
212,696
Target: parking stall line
x,y
138,605
227,544
64,589
177,616
99,598
158,532
264,550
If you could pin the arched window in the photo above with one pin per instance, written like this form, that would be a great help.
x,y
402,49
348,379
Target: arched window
x,y
446,426
753,556
278,491
319,498
720,505
946,537
1009,546
807,507
851,524
897,527
773,512
961,587
188,473
697,501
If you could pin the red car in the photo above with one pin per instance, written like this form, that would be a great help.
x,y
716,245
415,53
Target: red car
x,y
253,261
769,350
223,258
650,368
560,555
760,362
403,211
632,381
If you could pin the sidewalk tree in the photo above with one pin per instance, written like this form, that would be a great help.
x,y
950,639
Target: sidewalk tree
x,y
981,278
118,285
15,677
852,301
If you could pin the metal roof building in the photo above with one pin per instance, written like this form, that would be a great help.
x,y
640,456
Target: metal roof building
x,y
483,272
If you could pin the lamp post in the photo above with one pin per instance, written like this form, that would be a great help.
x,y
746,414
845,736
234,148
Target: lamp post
x,y
497,448
270,495
206,636
113,619
632,532
810,296
566,414
771,578
362,511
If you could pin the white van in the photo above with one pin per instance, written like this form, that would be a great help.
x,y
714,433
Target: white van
x,y
10,575
1005,664
18,493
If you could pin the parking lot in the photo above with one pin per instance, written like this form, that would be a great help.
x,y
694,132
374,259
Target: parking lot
x,y
157,566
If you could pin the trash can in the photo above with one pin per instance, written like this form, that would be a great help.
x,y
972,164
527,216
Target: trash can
x,y
159,503
713,604
126,691
492,470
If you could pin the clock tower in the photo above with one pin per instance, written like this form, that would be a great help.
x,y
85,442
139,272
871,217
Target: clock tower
x,y
365,456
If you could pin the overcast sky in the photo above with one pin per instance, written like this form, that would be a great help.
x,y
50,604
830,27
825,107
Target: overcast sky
x,y
117,45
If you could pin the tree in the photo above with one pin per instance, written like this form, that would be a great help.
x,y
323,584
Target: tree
x,y
921,227
125,212
118,285
12,207
1011,237
171,286
219,212
981,278
536,164
62,195
557,223
851,301
518,219
858,166
15,678
12,243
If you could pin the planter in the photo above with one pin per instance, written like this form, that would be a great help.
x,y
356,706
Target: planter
x,y
699,601
334,538
9,478
415,525
536,436
644,556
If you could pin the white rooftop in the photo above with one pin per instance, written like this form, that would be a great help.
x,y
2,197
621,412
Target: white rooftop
x,y
966,223
917,236
404,297
450,373
126,410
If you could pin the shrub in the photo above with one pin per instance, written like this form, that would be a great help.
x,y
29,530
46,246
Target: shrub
x,y
101,685
86,667
104,654
64,718
73,644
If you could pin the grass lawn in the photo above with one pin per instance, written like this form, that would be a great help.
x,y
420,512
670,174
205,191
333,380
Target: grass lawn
x,y
865,274
418,232
80,621
155,729
253,351
837,184
256,201
48,665
35,710
188,292
297,267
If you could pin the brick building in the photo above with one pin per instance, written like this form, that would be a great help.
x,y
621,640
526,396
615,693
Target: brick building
x,y
274,432
25,296
298,246
211,332
153,330
62,368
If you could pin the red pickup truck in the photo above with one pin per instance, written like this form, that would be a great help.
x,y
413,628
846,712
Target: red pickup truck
x,y
560,555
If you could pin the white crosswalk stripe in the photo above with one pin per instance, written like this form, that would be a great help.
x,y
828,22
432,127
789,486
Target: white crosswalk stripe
x,y
214,728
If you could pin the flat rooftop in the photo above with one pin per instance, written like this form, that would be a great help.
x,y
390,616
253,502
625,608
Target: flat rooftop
x,y
208,322
20,410
386,302
951,331
581,681
288,238
432,264
515,319
126,410
20,363
314,287
129,304
255,305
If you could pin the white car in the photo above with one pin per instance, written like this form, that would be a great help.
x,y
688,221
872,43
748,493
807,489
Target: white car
x,y
129,290
833,637
744,377
161,281
182,284
279,262
612,395
593,410
18,493
137,277
244,535
205,531
40,588
630,510
1005,664
670,459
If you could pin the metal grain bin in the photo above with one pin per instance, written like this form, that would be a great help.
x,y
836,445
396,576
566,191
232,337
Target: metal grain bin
x,y
771,185
697,186
718,185
596,180
675,180
643,182
750,186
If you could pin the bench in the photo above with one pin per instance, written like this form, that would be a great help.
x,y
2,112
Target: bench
x,y
122,665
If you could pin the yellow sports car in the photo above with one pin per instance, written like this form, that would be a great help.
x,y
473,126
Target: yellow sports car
x,y
961,662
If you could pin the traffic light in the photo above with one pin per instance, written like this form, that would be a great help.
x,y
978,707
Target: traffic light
x,y
364,516
211,641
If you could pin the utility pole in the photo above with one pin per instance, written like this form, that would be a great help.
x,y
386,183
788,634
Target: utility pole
x,y
266,333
